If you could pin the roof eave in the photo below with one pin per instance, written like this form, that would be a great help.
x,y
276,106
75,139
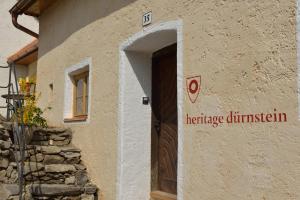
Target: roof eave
x,y
26,55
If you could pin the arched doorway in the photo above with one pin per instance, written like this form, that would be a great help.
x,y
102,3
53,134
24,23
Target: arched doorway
x,y
135,171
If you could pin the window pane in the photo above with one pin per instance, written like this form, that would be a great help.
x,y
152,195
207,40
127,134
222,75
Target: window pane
x,y
79,91
87,95
81,96
86,104
79,104
87,85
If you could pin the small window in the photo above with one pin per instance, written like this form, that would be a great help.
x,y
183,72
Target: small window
x,y
77,92
80,100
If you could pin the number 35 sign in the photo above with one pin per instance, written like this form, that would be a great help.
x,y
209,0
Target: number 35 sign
x,y
147,18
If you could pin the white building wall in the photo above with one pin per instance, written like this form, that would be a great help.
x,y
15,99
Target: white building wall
x,y
11,40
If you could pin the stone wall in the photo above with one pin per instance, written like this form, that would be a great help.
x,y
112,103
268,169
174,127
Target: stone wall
x,y
52,169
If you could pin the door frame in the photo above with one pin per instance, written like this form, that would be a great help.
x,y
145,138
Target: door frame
x,y
134,165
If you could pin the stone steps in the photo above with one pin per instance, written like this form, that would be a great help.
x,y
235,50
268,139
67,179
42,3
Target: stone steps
x,y
55,173
50,154
8,190
52,169
51,136
7,174
49,191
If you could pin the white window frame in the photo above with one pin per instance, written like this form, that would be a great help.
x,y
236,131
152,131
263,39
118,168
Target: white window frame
x,y
84,65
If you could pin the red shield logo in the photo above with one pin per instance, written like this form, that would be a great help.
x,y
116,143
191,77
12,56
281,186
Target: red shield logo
x,y
193,85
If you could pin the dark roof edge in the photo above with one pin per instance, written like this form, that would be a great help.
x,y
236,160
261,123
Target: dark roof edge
x,y
18,9
21,6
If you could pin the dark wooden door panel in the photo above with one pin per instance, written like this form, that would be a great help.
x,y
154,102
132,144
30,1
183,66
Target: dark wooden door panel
x,y
164,121
167,168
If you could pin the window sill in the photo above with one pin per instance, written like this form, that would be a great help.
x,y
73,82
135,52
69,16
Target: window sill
x,y
159,195
76,119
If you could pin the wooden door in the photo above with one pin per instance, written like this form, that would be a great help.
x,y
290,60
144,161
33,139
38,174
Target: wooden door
x,y
164,121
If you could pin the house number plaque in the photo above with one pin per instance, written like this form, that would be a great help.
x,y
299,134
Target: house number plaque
x,y
147,18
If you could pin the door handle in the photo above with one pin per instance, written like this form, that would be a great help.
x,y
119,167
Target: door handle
x,y
157,125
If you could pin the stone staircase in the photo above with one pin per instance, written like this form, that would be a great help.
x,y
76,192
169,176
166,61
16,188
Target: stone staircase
x,y
52,170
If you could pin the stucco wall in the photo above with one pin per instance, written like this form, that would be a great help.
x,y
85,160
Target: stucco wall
x,y
32,69
245,52
11,39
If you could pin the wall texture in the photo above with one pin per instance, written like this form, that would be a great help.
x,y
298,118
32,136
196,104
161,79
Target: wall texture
x,y
245,52
11,39
32,68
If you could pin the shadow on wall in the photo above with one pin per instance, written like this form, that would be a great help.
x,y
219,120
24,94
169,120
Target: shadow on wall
x,y
141,67
66,17
139,55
